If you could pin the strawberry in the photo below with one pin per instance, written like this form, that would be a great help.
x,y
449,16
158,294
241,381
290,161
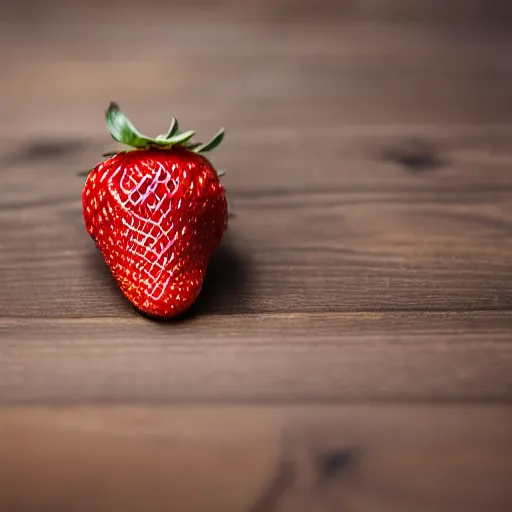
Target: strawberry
x,y
157,212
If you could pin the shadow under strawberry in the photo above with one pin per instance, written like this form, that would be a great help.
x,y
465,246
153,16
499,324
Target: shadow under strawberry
x,y
226,280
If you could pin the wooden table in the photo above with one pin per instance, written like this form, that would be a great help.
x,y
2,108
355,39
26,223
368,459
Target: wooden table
x,y
352,347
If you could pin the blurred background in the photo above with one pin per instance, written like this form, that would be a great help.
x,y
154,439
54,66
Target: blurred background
x,y
355,325
263,65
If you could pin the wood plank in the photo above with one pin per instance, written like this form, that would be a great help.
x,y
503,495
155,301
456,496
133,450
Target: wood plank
x,y
336,209
373,238
274,78
368,262
263,459
404,357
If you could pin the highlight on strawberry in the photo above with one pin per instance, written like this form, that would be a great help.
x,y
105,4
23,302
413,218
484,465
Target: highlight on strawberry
x,y
157,211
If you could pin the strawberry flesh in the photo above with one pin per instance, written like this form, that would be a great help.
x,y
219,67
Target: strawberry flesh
x,y
157,216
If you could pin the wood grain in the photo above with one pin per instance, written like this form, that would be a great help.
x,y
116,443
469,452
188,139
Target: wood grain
x,y
352,346
352,235
434,357
330,213
262,459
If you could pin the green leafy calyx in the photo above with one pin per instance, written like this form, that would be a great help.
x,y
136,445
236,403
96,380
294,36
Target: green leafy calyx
x,y
122,130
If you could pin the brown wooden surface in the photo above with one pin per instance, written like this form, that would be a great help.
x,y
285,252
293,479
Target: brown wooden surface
x,y
352,348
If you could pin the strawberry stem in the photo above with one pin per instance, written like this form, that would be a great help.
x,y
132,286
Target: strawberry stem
x,y
122,130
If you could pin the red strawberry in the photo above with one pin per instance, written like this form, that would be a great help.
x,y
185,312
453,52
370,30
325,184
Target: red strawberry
x,y
156,212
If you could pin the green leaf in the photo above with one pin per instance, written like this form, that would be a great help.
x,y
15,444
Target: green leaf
x,y
209,146
180,138
193,145
123,130
173,130
110,153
